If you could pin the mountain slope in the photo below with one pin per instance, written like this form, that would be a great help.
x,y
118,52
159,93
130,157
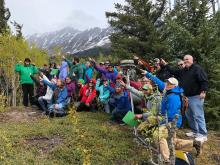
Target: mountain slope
x,y
73,41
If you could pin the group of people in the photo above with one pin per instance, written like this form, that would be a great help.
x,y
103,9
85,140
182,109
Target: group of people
x,y
118,88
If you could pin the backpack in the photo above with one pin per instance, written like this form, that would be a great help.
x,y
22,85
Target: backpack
x,y
184,158
184,102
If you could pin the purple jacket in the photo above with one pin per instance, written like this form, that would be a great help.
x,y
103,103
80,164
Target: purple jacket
x,y
71,88
109,75
63,70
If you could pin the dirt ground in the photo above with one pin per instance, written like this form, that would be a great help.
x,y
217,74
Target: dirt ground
x,y
20,114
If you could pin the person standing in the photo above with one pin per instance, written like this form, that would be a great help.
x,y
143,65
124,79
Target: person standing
x,y
26,71
195,84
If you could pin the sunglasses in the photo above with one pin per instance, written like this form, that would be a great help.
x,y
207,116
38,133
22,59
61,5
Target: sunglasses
x,y
180,64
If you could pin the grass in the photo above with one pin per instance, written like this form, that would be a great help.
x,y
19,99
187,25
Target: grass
x,y
85,138
80,138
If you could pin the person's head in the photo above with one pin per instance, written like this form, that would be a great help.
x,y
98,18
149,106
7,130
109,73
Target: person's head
x,y
68,80
92,83
171,83
188,60
53,65
27,61
87,64
80,82
118,78
107,63
145,80
45,66
147,89
102,64
75,60
105,82
157,64
60,83
180,64
118,88
111,68
118,67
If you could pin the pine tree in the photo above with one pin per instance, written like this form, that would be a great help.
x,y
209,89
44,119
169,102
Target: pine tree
x,y
4,17
192,29
137,27
18,29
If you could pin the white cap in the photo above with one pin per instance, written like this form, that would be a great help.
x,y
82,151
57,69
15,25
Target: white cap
x,y
173,81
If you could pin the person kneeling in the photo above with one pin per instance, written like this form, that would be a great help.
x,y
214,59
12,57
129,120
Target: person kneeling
x,y
88,93
119,102
59,99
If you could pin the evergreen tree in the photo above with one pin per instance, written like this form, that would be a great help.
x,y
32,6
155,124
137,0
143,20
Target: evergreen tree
x,y
192,29
137,27
4,17
18,29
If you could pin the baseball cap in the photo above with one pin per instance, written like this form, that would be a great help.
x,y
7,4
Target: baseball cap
x,y
173,81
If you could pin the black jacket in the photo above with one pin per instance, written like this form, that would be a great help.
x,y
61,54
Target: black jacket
x,y
193,80
163,73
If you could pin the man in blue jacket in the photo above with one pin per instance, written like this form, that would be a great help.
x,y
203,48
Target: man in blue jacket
x,y
171,102
170,108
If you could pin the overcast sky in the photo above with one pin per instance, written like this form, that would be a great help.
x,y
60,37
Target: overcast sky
x,y
38,16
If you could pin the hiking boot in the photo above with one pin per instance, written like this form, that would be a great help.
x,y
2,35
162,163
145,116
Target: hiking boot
x,y
191,134
202,138
197,145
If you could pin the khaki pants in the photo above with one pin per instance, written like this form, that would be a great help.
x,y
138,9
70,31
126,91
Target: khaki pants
x,y
180,144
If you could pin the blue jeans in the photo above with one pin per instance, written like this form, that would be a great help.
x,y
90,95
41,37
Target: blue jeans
x,y
41,101
118,114
195,115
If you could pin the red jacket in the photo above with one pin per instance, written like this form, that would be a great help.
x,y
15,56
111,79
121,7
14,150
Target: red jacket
x,y
87,96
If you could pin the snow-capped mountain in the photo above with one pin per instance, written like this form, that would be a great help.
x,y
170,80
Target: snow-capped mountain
x,y
73,41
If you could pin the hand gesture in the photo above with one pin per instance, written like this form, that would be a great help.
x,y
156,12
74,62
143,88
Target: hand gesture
x,y
163,62
140,62
144,72
122,83
135,57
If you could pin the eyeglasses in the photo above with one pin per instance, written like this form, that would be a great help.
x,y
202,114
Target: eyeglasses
x,y
180,64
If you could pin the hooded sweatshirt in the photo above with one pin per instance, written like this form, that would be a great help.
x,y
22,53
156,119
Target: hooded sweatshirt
x,y
171,102
63,70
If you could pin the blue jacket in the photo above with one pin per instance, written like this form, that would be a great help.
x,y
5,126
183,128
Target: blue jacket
x,y
171,102
63,93
104,92
123,103
88,72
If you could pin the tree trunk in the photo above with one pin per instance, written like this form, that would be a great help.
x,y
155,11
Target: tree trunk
x,y
14,90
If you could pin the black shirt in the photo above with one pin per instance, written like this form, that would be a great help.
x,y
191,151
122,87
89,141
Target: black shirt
x,y
193,80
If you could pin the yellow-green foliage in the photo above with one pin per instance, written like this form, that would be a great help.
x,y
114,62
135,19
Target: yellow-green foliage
x,y
2,103
13,50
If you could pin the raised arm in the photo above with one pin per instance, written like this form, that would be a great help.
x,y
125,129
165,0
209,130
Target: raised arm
x,y
134,91
156,81
97,86
52,86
